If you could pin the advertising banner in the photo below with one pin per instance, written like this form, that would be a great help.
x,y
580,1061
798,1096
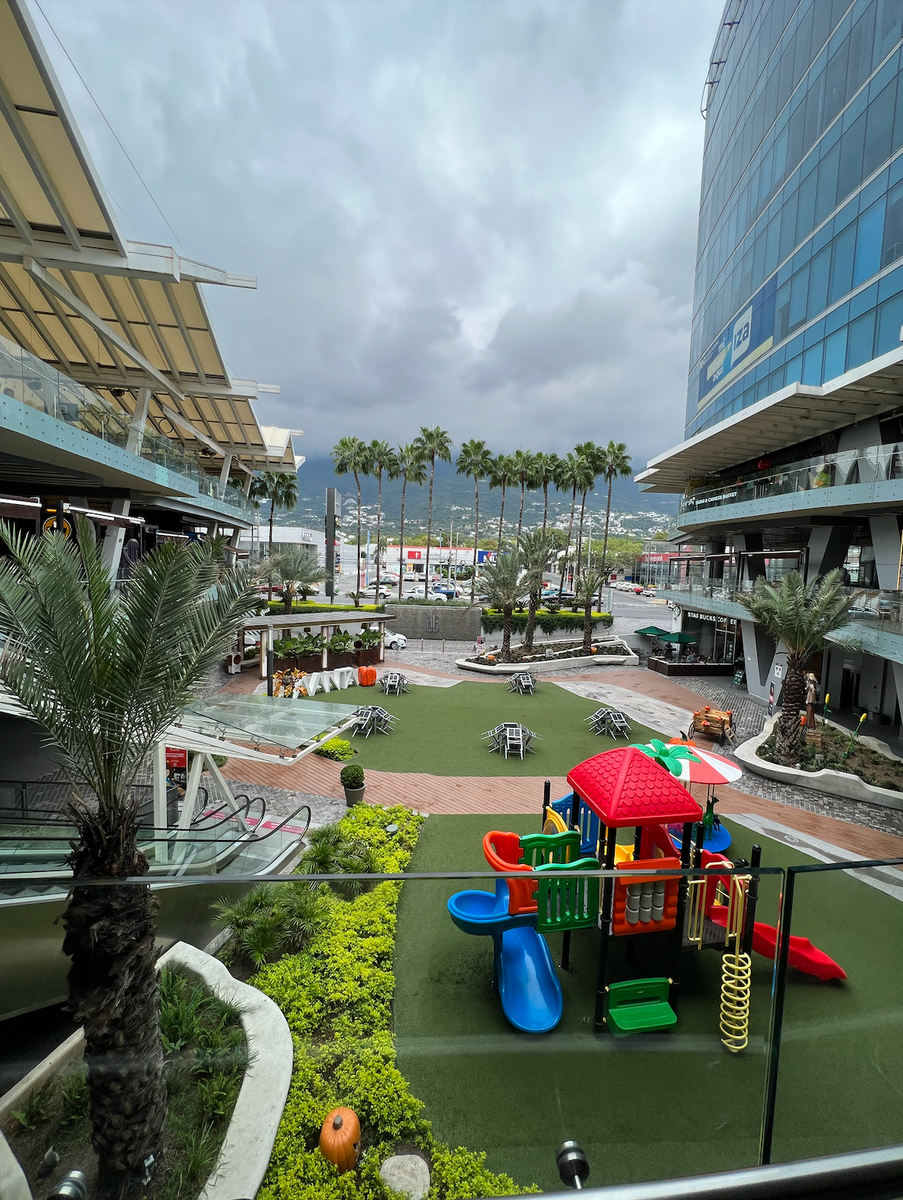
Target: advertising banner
x,y
745,339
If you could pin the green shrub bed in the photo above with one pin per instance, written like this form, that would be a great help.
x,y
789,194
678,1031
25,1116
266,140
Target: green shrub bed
x,y
841,751
548,622
337,999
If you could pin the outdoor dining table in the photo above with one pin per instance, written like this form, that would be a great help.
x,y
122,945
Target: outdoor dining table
x,y
511,737
611,721
523,683
393,683
373,719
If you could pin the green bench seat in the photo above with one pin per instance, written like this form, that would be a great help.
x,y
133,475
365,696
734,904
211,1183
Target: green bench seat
x,y
639,1006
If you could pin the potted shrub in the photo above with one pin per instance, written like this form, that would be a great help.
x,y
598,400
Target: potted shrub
x,y
310,652
368,653
352,780
284,654
340,650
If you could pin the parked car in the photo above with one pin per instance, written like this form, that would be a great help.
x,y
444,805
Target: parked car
x,y
382,594
648,591
451,591
395,641
420,593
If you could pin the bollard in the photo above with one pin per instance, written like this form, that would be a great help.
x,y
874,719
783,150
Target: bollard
x,y
443,645
421,645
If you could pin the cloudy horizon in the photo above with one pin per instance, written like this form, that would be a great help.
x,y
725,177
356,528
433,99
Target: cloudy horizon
x,y
476,216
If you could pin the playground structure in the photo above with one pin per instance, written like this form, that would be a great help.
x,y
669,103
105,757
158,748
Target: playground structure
x,y
692,897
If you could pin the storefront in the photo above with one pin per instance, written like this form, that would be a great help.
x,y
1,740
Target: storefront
x,y
719,640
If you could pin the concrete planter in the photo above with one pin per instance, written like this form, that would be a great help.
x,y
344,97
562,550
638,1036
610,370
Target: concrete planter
x,y
541,666
354,796
835,783
342,658
248,1143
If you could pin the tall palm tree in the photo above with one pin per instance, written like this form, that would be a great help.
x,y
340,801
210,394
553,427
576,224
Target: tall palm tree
x,y
546,465
432,444
474,460
382,459
501,475
351,456
613,461
502,580
280,490
801,616
591,453
589,584
411,469
524,462
104,674
535,548
571,476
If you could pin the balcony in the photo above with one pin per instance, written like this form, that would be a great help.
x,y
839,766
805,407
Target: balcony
x,y
850,478
42,392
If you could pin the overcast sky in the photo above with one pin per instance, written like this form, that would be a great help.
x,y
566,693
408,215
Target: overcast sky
x,y
479,214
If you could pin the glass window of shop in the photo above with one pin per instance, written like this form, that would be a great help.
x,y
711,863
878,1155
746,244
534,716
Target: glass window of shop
x,y
719,639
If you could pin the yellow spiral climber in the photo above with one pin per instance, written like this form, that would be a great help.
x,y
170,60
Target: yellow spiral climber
x,y
736,972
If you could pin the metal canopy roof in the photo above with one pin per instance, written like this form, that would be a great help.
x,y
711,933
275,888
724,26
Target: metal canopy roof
x,y
793,414
113,314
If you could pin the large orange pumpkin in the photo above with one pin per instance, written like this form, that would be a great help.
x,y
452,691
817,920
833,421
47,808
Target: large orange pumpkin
x,y
340,1138
366,676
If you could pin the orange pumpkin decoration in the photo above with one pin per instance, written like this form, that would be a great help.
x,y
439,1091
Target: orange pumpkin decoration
x,y
340,1139
366,676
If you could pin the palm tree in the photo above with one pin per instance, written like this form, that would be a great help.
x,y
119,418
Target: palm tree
x,y
474,460
293,570
382,458
501,475
280,490
573,471
801,616
524,463
104,674
351,456
613,461
411,469
535,548
546,465
591,453
587,587
432,444
505,589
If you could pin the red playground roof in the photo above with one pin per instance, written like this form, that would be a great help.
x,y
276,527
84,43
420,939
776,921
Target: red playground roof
x,y
626,787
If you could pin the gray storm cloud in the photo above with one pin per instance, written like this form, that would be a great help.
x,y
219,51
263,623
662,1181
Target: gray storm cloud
x,y
467,214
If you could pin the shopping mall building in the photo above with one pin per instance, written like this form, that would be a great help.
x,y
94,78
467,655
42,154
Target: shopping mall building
x,y
793,450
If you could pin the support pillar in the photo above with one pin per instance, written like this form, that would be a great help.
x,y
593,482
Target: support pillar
x,y
111,551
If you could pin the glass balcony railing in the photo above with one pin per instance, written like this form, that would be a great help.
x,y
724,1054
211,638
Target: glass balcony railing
x,y
872,464
27,379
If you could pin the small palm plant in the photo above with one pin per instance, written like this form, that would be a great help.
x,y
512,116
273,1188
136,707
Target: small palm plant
x,y
271,920
293,571
589,584
801,616
502,581
536,549
105,674
330,852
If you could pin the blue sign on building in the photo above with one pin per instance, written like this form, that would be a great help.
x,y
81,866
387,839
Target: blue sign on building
x,y
749,335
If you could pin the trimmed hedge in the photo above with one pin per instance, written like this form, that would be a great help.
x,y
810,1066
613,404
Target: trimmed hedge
x,y
313,606
494,622
337,999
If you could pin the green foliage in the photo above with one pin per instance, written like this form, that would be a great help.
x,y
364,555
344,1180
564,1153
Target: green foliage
x,y
340,642
338,749
352,776
548,621
270,920
35,1107
312,606
74,1096
370,638
335,850
337,999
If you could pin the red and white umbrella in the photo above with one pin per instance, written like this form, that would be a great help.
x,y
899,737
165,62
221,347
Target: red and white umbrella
x,y
709,769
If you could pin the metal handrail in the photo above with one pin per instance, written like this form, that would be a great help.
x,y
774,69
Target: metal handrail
x,y
285,820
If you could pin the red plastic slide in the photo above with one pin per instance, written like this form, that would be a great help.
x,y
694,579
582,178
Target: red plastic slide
x,y
803,955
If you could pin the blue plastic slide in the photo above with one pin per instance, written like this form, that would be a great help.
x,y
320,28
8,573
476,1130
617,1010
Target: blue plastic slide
x,y
523,970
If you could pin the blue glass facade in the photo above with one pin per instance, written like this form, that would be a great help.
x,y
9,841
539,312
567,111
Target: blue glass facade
x,y
799,272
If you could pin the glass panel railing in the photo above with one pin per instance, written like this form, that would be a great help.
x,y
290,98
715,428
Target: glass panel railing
x,y
27,379
872,464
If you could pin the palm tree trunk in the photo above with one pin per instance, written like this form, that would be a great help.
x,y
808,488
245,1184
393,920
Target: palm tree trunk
x,y
501,518
404,488
113,995
580,539
520,515
789,731
588,625
605,570
531,622
429,530
545,507
506,635
567,549
476,538
270,551
379,518
358,482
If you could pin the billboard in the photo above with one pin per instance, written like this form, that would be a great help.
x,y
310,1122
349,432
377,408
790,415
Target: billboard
x,y
748,336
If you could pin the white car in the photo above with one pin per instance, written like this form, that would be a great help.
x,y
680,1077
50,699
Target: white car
x,y
420,593
395,641
382,594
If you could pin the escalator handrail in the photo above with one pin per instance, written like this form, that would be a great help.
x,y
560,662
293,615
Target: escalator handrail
x,y
285,820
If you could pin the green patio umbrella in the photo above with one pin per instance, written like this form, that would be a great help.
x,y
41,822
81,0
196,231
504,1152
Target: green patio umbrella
x,y
652,631
682,638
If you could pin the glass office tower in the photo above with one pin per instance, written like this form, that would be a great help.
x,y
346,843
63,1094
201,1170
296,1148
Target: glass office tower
x,y
799,273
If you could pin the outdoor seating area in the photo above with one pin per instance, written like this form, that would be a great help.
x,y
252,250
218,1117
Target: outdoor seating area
x,y
511,738
393,683
523,683
373,719
610,721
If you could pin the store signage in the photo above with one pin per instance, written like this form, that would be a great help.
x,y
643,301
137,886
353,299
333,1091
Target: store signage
x,y
709,498
416,554
176,760
748,336
713,617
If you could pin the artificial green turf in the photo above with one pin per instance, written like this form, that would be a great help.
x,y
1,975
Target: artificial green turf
x,y
438,731
652,1106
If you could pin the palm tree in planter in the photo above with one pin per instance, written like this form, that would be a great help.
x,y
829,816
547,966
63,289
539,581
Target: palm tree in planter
x,y
575,474
502,581
474,460
536,549
801,616
411,469
104,675
294,571
546,464
590,582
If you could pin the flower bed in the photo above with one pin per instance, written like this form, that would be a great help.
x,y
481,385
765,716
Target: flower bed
x,y
611,646
337,999
841,751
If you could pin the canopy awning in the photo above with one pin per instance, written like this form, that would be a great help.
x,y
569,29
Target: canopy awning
x,y
651,631
683,639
